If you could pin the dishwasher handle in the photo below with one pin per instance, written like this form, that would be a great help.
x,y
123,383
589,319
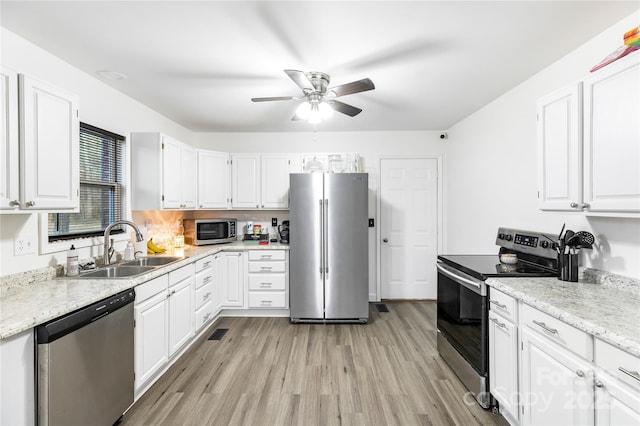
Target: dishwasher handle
x,y
61,326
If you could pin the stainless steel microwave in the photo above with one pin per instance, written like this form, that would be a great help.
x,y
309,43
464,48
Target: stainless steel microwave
x,y
200,232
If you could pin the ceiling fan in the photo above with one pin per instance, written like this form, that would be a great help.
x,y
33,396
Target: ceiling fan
x,y
320,99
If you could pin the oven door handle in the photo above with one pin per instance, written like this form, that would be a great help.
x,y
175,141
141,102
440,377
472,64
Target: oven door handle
x,y
471,283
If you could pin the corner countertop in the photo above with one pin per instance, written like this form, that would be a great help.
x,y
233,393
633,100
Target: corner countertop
x,y
608,313
26,305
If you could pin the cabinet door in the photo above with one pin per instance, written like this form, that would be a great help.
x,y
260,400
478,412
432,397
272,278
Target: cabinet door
x,y
275,181
232,280
218,283
612,137
557,386
503,364
180,314
17,392
9,143
171,173
616,403
152,342
49,147
213,180
245,181
188,189
560,149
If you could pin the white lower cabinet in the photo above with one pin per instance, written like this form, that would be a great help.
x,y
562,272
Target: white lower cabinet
x,y
204,303
617,386
557,386
267,279
163,323
503,354
563,376
180,307
151,329
17,379
230,272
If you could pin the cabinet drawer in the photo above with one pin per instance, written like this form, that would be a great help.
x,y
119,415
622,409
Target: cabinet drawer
x,y
266,255
180,274
204,315
267,282
267,267
151,288
204,263
571,338
618,363
204,278
204,294
503,304
267,299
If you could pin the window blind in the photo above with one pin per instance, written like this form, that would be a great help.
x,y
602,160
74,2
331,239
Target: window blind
x,y
102,177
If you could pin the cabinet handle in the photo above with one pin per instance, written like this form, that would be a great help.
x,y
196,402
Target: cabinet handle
x,y
265,284
206,264
206,279
257,206
30,203
599,384
501,325
265,268
579,373
545,327
266,302
633,374
585,205
14,203
498,304
265,256
574,205
206,296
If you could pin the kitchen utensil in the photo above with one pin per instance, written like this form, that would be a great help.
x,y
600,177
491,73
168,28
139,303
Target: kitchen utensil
x,y
581,238
567,236
561,231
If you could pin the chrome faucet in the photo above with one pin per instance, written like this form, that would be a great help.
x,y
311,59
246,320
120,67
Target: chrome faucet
x,y
108,251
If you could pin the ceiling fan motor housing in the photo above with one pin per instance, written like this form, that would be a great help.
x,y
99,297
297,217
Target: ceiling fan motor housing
x,y
319,81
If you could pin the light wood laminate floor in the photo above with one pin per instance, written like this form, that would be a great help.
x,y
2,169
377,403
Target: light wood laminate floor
x,y
267,371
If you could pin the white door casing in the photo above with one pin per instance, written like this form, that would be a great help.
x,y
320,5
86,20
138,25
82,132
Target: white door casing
x,y
409,207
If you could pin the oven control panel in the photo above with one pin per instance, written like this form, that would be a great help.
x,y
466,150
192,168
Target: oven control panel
x,y
540,244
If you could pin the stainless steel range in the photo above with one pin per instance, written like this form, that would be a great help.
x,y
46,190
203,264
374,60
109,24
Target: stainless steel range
x,y
463,311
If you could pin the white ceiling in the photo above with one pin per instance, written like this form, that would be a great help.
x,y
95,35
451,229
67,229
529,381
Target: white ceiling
x,y
200,62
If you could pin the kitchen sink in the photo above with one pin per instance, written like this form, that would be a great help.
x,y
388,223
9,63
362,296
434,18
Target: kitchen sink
x,y
117,271
153,261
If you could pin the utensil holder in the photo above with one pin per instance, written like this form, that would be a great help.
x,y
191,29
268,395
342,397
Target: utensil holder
x,y
568,267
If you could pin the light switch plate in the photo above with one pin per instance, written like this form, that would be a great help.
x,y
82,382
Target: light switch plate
x,y
274,221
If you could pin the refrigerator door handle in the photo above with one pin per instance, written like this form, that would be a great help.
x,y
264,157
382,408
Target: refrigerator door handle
x,y
325,237
321,236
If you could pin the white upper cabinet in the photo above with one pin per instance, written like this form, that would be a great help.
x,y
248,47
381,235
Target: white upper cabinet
x,y
9,142
612,137
40,152
589,143
163,173
560,149
275,180
245,181
213,180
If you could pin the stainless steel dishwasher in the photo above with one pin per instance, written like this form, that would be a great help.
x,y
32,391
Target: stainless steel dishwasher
x,y
85,363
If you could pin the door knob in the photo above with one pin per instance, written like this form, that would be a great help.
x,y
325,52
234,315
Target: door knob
x,y
385,240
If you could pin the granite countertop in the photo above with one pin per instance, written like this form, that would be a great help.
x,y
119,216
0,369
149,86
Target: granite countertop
x,y
609,313
26,302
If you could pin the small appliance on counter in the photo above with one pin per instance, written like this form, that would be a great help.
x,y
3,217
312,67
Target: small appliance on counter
x,y
200,232
283,230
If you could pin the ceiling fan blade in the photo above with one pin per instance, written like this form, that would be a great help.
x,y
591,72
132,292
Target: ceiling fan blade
x,y
347,109
301,79
272,98
353,87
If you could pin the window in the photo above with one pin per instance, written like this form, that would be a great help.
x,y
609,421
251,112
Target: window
x,y
102,177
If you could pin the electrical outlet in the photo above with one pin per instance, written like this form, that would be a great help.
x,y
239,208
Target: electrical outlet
x,y
274,221
371,222
24,244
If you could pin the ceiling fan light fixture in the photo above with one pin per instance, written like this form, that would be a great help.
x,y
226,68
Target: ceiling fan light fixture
x,y
325,110
315,116
303,110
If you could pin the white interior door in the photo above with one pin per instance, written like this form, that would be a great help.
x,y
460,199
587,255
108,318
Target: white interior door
x,y
408,228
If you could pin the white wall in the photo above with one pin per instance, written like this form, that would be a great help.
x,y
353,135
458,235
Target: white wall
x,y
100,105
491,169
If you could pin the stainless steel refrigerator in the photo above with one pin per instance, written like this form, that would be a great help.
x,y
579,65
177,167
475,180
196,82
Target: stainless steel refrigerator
x,y
329,255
